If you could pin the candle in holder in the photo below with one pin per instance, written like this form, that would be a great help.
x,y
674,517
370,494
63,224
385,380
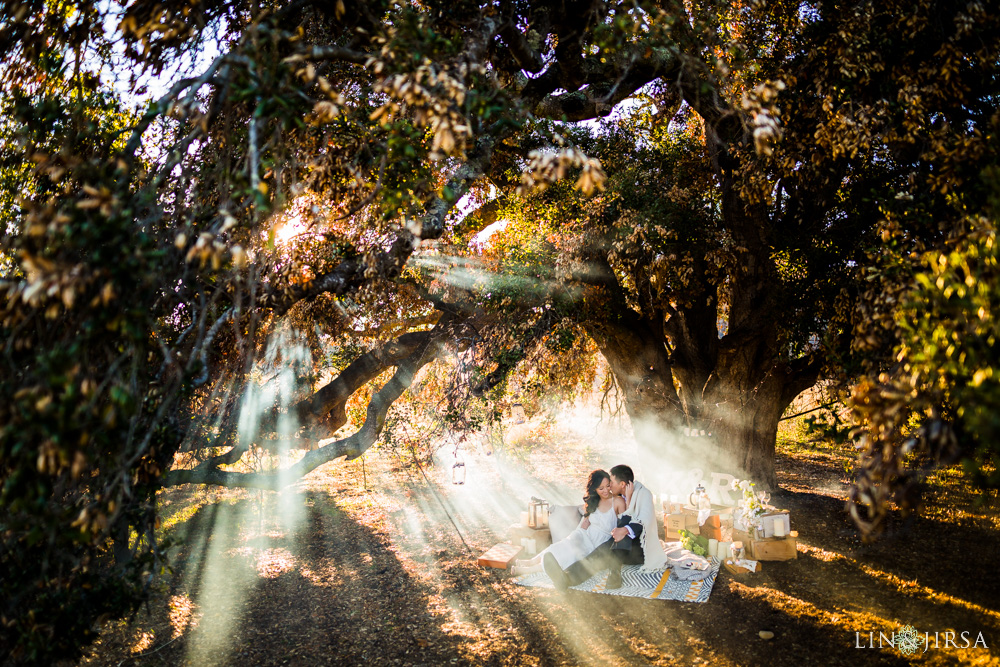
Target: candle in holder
x,y
779,526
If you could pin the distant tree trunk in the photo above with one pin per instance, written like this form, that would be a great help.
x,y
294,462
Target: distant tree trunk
x,y
737,396
638,358
744,417
120,543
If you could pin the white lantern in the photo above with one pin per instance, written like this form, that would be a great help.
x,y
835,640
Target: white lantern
x,y
538,513
458,470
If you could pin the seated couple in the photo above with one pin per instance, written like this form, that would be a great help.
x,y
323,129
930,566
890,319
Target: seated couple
x,y
618,527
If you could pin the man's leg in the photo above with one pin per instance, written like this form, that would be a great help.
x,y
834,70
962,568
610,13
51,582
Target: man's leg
x,y
554,572
599,559
633,556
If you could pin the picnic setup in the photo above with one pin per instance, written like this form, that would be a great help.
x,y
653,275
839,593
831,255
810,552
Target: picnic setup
x,y
698,539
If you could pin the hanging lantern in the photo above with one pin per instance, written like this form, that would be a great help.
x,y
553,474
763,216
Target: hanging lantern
x,y
458,470
538,513
517,412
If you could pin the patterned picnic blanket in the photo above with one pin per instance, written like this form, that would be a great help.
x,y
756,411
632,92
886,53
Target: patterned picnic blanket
x,y
638,584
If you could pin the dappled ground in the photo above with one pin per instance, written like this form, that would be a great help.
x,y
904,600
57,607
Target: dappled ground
x,y
332,572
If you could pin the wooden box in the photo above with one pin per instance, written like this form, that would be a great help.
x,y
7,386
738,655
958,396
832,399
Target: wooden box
x,y
775,548
717,526
533,540
738,570
711,532
673,523
718,517
769,548
500,555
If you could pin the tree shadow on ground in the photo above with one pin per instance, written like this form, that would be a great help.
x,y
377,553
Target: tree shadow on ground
x,y
333,593
583,628
824,603
388,575
344,599
722,631
919,550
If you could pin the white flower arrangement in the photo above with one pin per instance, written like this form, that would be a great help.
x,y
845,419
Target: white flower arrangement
x,y
753,502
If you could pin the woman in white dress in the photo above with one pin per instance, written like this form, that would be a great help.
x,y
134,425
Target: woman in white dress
x,y
600,512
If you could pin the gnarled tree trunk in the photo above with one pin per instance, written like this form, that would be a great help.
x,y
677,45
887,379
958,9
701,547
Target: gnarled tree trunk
x,y
736,395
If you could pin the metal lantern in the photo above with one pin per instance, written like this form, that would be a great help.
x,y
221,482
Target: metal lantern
x,y
538,513
517,412
458,470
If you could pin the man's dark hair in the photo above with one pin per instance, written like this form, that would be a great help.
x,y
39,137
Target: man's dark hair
x,y
622,473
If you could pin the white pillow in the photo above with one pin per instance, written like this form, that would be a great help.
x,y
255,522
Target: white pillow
x,y
563,519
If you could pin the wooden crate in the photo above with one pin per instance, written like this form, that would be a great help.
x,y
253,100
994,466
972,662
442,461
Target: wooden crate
x,y
500,555
673,523
771,548
737,570
774,548
712,532
533,540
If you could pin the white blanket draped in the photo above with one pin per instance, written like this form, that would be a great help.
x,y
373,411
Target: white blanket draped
x,y
640,509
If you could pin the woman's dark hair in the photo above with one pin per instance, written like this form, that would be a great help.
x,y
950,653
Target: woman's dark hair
x,y
592,500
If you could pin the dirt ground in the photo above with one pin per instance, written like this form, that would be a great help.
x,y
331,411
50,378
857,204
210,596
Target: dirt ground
x,y
375,563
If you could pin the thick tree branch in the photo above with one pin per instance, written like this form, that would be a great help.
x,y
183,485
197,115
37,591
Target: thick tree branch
x,y
430,346
526,58
801,374
639,360
479,219
329,402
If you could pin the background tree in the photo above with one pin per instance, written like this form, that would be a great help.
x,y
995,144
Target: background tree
x,y
929,398
719,270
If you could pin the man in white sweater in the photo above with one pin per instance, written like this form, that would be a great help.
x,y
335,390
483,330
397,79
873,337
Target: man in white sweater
x,y
634,541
